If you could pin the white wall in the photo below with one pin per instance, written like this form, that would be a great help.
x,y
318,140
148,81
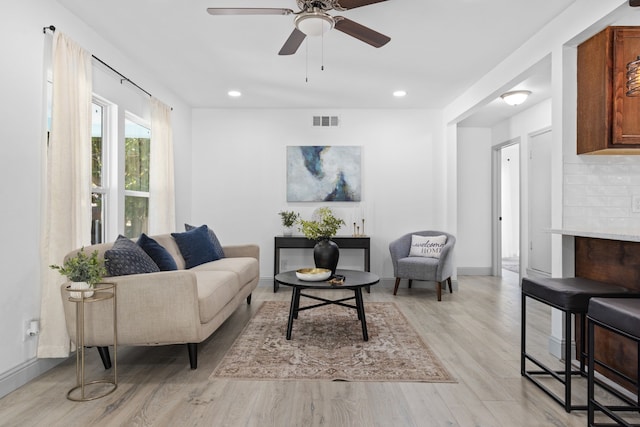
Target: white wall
x,y
473,246
22,43
239,175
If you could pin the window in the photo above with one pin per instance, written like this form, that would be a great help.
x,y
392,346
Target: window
x,y
119,172
98,181
137,142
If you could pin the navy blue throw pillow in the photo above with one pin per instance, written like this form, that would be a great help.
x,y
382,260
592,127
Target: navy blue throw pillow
x,y
125,257
158,253
195,246
214,239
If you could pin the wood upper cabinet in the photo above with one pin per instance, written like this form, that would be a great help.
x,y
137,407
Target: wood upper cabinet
x,y
608,120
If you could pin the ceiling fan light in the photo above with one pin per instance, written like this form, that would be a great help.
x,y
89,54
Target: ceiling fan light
x,y
515,97
314,23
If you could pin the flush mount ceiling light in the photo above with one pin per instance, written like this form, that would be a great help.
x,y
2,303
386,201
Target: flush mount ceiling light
x,y
314,23
515,97
633,78
234,93
400,93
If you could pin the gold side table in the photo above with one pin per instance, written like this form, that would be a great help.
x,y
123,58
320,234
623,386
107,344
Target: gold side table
x,y
81,392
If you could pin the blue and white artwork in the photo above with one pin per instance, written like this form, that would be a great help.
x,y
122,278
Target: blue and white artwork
x,y
323,173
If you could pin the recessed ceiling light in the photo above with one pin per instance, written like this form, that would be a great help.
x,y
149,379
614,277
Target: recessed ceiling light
x,y
234,93
400,93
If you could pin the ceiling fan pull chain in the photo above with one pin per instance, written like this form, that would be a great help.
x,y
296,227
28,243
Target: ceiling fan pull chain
x,y
322,64
306,61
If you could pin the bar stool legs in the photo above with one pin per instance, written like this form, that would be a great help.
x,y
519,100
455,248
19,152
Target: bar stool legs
x,y
563,376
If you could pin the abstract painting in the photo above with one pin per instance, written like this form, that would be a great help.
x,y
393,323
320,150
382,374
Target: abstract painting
x,y
323,173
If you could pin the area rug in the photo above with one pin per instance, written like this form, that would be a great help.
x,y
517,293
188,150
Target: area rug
x,y
327,344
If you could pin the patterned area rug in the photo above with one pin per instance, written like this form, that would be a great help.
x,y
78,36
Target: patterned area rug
x,y
327,344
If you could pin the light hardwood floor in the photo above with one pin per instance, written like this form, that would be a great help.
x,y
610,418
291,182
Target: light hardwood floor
x,y
475,331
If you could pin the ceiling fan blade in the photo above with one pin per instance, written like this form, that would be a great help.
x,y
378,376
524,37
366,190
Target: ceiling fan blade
x,y
248,11
361,32
634,3
293,42
352,4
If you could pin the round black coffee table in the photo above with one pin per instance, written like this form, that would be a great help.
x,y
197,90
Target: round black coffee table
x,y
353,280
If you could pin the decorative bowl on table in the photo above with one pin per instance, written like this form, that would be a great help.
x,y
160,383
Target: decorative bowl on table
x,y
313,274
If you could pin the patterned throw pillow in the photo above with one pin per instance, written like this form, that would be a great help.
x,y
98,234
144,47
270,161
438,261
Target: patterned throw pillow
x,y
427,246
214,240
195,246
125,257
158,253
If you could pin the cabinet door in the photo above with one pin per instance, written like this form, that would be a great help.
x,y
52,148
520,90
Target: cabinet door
x,y
595,92
626,109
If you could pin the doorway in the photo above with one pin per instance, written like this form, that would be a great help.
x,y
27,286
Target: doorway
x,y
539,184
506,201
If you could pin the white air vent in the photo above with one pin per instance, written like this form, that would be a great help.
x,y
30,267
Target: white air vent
x,y
325,121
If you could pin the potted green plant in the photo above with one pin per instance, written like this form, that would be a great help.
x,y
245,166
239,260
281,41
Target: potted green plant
x,y
289,219
83,271
322,228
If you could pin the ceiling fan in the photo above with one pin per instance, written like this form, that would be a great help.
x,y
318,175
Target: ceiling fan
x,y
313,20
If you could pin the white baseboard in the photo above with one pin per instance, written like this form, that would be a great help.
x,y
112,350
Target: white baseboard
x,y
556,347
22,374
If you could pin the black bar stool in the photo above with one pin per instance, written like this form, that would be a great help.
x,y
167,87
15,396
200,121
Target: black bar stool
x,y
570,295
621,316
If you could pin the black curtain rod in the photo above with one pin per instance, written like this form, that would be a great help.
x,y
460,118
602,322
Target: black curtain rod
x,y
123,79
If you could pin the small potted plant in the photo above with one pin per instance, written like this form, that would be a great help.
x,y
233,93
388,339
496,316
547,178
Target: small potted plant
x,y
83,271
321,229
289,219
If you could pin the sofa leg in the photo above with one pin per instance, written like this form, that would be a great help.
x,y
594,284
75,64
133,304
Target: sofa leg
x,y
439,284
249,300
193,354
410,283
450,288
395,289
104,355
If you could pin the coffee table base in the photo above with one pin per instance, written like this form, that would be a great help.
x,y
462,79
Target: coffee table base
x,y
295,307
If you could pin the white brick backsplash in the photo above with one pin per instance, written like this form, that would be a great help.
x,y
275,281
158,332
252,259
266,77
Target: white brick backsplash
x,y
598,191
606,190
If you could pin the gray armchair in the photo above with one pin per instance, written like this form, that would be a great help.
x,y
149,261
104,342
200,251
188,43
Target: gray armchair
x,y
437,270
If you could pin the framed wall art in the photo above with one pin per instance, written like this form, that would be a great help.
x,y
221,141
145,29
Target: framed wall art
x,y
323,173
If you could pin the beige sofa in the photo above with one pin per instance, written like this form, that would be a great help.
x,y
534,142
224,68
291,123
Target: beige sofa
x,y
169,307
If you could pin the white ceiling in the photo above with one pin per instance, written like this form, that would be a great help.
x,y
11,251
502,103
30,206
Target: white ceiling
x,y
438,48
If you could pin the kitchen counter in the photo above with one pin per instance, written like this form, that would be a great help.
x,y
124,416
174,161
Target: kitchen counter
x,y
624,236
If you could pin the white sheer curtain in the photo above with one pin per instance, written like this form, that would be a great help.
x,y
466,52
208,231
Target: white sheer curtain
x,y
66,194
162,208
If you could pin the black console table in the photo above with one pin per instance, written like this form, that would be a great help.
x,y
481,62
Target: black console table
x,y
301,242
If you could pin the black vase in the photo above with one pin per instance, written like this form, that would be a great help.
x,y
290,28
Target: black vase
x,y
326,254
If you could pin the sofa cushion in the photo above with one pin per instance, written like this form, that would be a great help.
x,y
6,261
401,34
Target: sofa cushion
x,y
216,289
126,257
169,243
246,268
195,246
158,253
214,240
